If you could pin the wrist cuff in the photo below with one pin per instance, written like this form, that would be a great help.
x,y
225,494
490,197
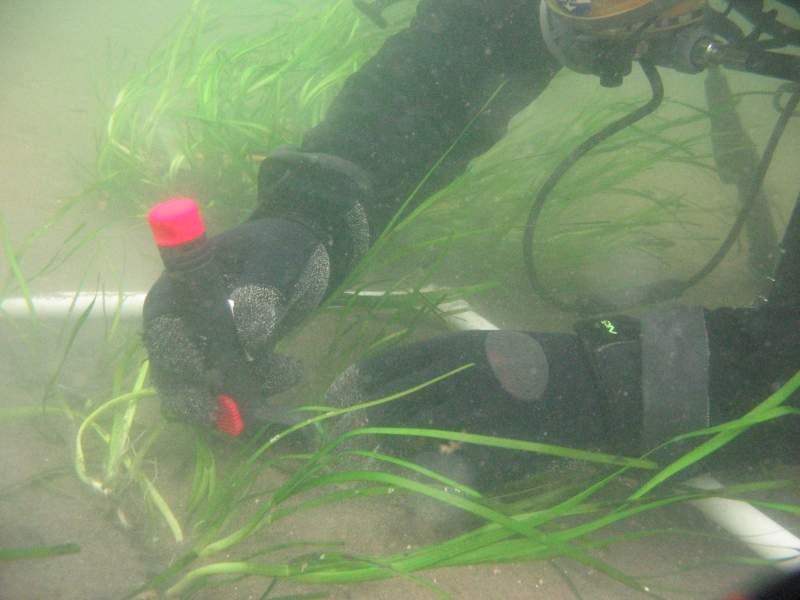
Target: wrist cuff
x,y
323,192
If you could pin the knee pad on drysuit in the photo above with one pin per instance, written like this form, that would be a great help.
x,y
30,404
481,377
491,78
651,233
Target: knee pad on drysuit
x,y
519,385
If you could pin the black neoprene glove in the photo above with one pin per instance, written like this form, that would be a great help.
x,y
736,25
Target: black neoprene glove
x,y
308,232
275,271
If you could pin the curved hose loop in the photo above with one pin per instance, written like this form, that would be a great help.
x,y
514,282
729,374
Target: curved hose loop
x,y
667,289
657,87
787,88
752,191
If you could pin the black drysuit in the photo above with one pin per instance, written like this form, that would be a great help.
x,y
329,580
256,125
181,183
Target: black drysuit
x,y
448,84
464,68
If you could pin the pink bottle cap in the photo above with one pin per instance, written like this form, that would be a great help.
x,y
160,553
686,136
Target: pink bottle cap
x,y
176,222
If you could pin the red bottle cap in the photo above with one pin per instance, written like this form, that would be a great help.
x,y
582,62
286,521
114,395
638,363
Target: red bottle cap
x,y
229,420
176,222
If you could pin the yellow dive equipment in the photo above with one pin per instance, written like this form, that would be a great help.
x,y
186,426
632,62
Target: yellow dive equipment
x,y
603,37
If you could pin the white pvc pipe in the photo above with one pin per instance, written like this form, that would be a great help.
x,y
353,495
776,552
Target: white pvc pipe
x,y
457,313
460,315
60,305
761,534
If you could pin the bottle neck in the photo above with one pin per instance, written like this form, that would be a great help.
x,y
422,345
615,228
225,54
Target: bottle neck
x,y
187,256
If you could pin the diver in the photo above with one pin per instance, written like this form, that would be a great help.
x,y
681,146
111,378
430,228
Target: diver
x,y
448,86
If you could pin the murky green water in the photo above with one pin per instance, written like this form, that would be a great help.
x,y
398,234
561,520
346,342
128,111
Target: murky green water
x,y
63,66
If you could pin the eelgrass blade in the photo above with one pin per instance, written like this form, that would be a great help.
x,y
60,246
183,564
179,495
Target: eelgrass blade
x,y
16,272
41,477
340,411
120,432
58,259
80,457
39,552
787,508
269,589
727,433
50,223
400,220
48,392
306,596
133,467
165,576
289,545
203,484
509,444
162,506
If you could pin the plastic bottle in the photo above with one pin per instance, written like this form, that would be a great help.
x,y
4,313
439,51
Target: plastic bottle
x,y
201,300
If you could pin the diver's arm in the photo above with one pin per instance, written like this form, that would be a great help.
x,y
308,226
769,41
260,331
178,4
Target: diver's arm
x,y
402,111
406,106
321,206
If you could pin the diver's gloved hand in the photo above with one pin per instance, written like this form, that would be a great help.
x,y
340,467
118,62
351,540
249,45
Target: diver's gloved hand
x,y
275,272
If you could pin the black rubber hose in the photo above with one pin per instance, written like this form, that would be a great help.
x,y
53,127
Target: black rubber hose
x,y
666,289
536,208
752,192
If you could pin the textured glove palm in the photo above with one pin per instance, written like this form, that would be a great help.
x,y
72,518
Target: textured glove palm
x,y
276,272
